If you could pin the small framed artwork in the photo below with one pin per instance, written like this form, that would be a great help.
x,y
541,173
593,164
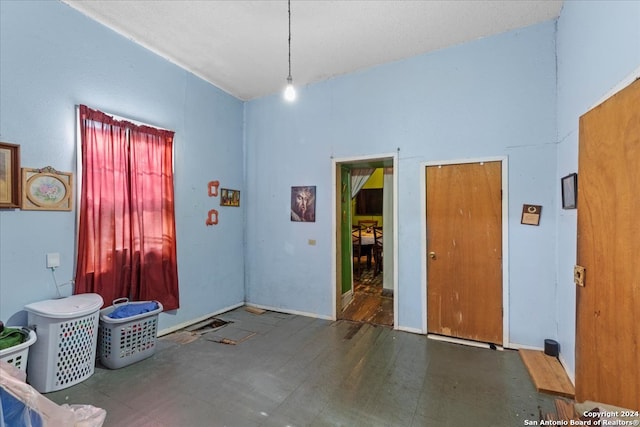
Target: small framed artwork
x,y
9,175
303,204
46,189
570,191
531,214
212,188
229,197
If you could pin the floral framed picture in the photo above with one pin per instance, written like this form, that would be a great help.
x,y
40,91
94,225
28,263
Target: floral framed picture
x,y
46,189
9,175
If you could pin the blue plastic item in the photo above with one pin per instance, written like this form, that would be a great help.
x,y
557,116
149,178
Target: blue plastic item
x,y
14,412
130,310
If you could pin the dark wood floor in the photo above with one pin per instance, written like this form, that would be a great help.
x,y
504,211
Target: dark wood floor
x,y
369,304
300,371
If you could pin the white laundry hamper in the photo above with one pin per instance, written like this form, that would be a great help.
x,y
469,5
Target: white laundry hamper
x,y
18,355
65,352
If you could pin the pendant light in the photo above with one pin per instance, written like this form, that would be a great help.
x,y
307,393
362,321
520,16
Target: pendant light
x,y
290,91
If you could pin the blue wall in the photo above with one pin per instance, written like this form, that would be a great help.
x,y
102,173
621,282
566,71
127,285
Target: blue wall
x,y
598,45
502,95
491,97
53,58
498,96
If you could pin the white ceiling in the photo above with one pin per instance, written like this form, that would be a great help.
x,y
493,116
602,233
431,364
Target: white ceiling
x,y
241,46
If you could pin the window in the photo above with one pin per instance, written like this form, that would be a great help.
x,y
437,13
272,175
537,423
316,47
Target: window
x,y
126,233
369,201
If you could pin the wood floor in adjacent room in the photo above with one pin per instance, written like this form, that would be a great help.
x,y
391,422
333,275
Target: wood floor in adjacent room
x,y
370,303
290,370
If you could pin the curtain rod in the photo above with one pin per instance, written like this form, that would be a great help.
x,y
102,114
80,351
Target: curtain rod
x,y
135,122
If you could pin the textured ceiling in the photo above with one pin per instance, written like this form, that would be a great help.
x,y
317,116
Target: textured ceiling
x,y
241,46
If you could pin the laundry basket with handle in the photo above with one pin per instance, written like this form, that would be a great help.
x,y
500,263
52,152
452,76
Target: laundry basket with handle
x,y
130,339
18,353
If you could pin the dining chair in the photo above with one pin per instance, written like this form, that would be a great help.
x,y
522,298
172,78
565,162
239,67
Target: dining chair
x,y
367,223
377,249
356,244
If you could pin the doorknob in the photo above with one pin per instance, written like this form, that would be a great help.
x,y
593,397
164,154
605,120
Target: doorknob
x,y
432,255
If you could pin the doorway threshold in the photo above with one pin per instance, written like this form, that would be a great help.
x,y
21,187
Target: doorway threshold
x,y
461,341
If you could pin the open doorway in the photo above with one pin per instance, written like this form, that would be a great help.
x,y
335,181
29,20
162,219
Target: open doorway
x,y
365,279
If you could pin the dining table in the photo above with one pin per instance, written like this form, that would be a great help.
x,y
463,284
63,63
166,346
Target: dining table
x,y
367,240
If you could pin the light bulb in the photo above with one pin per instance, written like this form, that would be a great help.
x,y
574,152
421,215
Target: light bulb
x,y
290,91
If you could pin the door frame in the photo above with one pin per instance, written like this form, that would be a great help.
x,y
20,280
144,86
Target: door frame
x,y
335,226
505,243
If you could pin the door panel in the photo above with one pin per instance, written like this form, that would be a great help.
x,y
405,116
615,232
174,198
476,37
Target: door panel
x,y
608,306
345,229
464,245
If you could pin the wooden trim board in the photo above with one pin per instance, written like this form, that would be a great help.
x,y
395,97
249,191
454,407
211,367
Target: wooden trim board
x,y
547,373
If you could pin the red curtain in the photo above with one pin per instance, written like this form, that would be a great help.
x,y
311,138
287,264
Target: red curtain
x,y
126,242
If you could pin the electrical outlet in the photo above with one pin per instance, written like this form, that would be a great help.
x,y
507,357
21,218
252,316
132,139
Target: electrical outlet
x,y
53,260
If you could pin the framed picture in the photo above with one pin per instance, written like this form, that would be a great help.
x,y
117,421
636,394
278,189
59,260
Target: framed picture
x,y
229,197
570,191
303,204
531,214
9,175
46,189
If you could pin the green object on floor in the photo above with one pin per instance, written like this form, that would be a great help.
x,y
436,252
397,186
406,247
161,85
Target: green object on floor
x,y
10,337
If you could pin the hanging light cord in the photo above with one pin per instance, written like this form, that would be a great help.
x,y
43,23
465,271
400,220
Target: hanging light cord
x,y
289,39
289,92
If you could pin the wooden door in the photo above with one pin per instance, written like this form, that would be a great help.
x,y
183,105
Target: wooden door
x,y
608,306
464,245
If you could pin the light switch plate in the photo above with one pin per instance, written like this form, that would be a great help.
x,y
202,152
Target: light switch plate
x,y
53,260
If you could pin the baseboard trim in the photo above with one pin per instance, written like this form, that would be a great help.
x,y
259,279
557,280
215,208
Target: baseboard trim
x,y
570,374
198,319
463,342
525,347
408,329
284,310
